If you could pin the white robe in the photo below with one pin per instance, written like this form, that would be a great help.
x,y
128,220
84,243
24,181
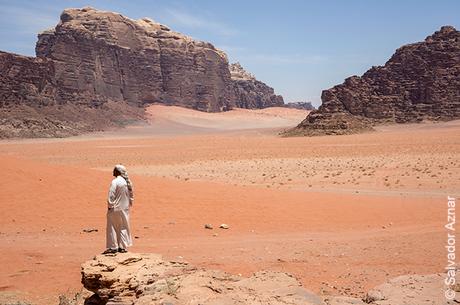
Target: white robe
x,y
118,227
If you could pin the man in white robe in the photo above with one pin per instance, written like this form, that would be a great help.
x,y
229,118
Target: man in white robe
x,y
119,201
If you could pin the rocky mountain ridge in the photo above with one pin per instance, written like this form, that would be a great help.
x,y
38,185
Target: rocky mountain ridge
x,y
95,60
251,93
421,81
300,105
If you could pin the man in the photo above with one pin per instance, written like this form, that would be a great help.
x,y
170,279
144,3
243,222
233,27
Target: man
x,y
119,200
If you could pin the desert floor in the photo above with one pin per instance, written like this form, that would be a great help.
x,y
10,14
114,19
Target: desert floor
x,y
341,213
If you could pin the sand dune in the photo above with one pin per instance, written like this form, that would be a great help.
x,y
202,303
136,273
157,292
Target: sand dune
x,y
235,119
172,121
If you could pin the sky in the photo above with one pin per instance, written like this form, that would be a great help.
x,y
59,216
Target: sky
x,y
298,47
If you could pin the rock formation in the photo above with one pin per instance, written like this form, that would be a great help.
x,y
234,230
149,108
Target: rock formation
x,y
105,54
29,106
96,60
300,105
421,81
412,290
144,279
251,93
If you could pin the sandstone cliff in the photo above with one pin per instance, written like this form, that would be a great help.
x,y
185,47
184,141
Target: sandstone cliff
x,y
105,54
251,93
30,107
421,81
107,67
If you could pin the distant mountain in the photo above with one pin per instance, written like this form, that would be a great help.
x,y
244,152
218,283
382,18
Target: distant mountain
x,y
251,93
97,69
421,81
300,105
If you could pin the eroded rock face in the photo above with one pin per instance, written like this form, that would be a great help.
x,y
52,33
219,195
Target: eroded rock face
x,y
420,81
105,54
26,81
147,279
251,93
29,107
96,60
143,279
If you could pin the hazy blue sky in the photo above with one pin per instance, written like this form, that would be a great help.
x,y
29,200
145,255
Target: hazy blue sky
x,y
297,47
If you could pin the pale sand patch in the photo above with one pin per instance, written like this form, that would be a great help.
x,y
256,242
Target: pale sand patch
x,y
167,121
236,119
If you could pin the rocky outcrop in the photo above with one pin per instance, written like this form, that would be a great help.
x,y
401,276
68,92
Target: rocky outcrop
x,y
421,81
26,81
104,54
251,93
94,60
142,279
300,105
412,290
30,108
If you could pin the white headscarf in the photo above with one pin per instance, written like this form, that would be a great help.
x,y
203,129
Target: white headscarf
x,y
124,173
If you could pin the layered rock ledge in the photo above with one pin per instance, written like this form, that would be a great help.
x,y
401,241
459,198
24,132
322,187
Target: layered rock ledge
x,y
144,279
421,81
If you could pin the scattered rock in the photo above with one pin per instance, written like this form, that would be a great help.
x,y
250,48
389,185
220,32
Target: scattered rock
x,y
90,230
224,226
373,295
83,297
208,226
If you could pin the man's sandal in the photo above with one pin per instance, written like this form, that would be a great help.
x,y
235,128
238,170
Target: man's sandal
x,y
110,251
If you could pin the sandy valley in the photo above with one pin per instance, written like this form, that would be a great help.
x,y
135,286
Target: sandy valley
x,y
341,213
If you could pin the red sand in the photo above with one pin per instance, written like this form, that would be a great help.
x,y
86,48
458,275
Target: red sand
x,y
337,238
